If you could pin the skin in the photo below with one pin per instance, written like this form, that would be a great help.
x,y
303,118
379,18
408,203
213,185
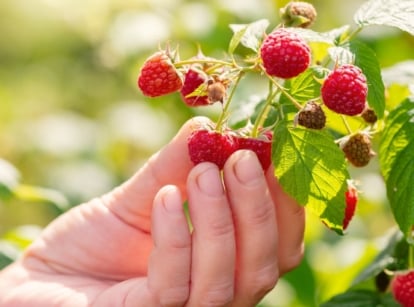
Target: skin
x,y
134,247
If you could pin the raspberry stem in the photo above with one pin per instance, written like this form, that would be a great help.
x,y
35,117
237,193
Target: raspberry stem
x,y
284,92
225,111
264,111
348,128
203,61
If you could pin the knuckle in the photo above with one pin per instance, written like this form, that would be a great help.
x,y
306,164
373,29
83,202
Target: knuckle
x,y
174,297
221,227
263,281
262,214
218,295
288,263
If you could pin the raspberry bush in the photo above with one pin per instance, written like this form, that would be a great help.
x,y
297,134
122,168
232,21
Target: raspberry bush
x,y
327,111
325,106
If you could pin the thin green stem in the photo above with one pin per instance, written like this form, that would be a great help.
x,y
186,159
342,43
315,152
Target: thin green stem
x,y
203,61
283,90
224,113
348,128
410,256
264,111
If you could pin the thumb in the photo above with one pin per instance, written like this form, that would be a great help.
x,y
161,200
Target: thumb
x,y
132,201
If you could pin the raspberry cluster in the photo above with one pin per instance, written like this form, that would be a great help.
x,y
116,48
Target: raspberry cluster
x,y
281,56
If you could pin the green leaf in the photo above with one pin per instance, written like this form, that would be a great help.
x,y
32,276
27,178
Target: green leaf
x,y
249,35
361,298
394,13
366,59
9,178
397,163
38,194
323,37
303,87
340,55
401,73
312,169
382,260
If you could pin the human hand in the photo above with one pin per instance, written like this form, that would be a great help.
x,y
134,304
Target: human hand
x,y
133,246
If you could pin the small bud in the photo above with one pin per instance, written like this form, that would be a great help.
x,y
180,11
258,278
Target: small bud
x,y
369,116
216,91
298,14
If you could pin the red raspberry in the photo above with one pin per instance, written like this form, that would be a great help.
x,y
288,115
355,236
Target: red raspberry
x,y
351,199
211,146
402,287
345,90
194,79
262,148
285,54
158,76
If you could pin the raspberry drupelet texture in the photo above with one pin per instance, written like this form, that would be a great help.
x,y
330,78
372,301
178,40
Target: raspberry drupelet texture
x,y
345,90
351,199
192,80
311,116
358,149
211,146
402,287
262,147
285,54
158,76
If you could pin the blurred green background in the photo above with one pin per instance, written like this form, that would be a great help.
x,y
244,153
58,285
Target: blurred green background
x,y
73,124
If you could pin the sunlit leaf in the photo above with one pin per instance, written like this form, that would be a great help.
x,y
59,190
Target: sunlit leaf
x,y
37,194
397,163
249,35
312,169
395,13
367,60
361,298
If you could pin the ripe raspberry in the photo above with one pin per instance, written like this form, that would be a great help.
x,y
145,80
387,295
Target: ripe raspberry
x,y
357,149
369,116
158,76
351,199
193,79
261,146
311,116
211,146
345,90
298,14
402,288
285,54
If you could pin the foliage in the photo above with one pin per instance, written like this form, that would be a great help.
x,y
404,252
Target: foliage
x,y
78,110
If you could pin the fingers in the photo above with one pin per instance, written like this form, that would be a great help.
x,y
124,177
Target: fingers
x,y
213,246
170,260
132,201
291,226
255,227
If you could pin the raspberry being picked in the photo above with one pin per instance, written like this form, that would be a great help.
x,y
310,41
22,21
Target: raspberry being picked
x,y
158,76
261,146
402,288
211,146
345,90
285,54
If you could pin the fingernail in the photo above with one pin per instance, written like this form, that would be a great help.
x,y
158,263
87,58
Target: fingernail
x,y
246,169
209,181
171,199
